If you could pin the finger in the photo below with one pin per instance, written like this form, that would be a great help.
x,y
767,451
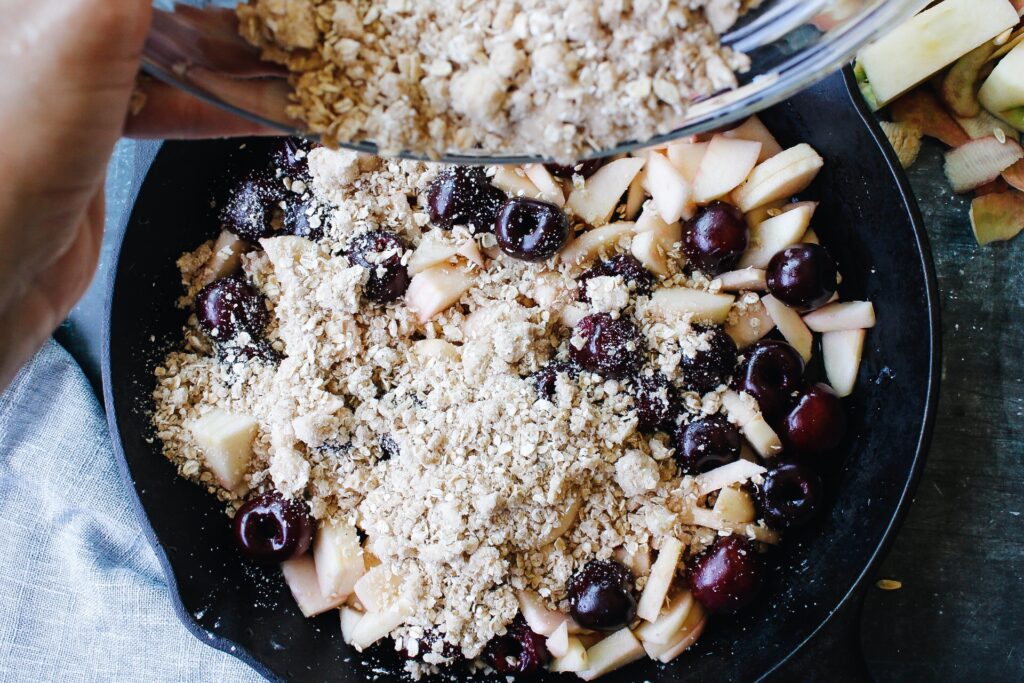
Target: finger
x,y
160,111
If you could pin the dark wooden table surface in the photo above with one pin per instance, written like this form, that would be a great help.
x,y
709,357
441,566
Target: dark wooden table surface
x,y
959,615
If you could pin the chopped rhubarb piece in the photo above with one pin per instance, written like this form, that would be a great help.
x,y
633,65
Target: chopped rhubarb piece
x,y
923,110
980,161
997,217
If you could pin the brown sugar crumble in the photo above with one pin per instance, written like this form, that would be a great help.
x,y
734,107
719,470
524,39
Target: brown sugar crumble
x,y
560,79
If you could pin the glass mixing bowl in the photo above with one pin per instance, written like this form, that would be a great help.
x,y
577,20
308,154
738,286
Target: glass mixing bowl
x,y
194,45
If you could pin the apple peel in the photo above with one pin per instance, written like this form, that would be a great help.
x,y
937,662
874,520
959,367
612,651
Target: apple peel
x,y
960,85
922,109
905,139
997,217
1014,176
980,161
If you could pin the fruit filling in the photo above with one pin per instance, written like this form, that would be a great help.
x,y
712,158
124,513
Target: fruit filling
x,y
517,418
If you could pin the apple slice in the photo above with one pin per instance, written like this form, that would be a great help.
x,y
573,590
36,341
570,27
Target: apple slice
x,y
665,629
597,199
689,634
1004,88
558,641
984,125
750,327
754,130
791,325
300,575
225,257
726,164
635,197
378,589
763,438
339,559
703,307
735,506
980,161
432,251
514,182
686,157
774,235
570,510
639,563
436,349
756,217
615,651
226,442
660,579
960,84
905,139
435,290
377,625
670,191
921,109
842,351
850,315
591,243
573,661
1014,176
930,41
736,472
712,520
349,619
539,618
549,188
744,280
654,241
997,217
811,237
784,175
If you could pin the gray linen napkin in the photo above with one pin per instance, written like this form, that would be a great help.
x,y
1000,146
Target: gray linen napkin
x,y
82,596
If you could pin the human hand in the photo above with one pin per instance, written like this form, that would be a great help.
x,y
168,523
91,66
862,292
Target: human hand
x,y
67,76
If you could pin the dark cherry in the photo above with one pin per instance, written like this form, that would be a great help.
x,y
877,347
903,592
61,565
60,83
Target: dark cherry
x,y
545,378
426,643
228,306
803,277
709,368
817,423
257,350
728,576
531,230
298,219
377,251
655,401
519,651
633,273
715,238
789,497
289,157
271,528
581,168
772,374
463,195
601,596
706,444
252,204
611,347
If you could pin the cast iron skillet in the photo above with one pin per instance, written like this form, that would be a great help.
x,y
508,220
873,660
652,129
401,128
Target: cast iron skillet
x,y
867,219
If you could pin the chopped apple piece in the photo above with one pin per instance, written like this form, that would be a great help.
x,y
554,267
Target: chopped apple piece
x,y
744,280
726,164
300,575
432,251
1004,88
960,84
850,315
756,217
753,129
591,243
566,518
712,520
651,252
436,349
842,351
660,580
349,618
811,237
930,41
762,437
664,630
704,307
226,442
735,506
980,161
339,559
539,618
782,176
736,472
741,408
774,235
573,661
635,197
1014,176
376,625
670,191
513,180
686,157
997,217
378,589
225,258
638,563
905,139
615,651
750,327
549,188
558,641
597,199
921,109
791,325
689,634
435,289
